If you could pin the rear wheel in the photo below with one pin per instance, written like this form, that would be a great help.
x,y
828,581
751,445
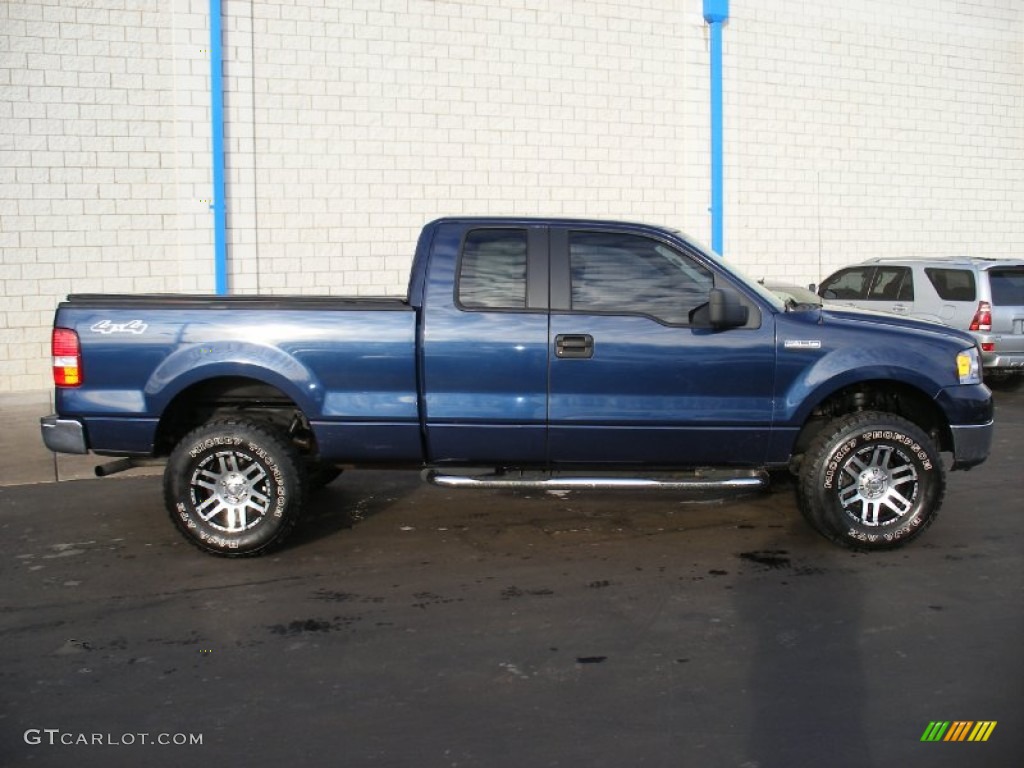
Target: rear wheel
x,y
871,481
234,488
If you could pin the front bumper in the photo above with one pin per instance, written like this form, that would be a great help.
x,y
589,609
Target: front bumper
x,y
971,416
63,435
971,444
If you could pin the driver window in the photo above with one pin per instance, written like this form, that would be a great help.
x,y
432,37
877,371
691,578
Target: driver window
x,y
628,274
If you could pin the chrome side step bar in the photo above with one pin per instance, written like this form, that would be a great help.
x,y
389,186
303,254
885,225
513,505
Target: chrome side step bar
x,y
702,480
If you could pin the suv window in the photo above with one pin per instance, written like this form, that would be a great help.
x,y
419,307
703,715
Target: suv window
x,y
891,284
881,283
622,273
492,274
1007,286
953,284
847,285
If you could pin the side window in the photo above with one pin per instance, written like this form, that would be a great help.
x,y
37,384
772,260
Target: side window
x,y
629,274
953,284
1007,286
848,285
492,272
891,284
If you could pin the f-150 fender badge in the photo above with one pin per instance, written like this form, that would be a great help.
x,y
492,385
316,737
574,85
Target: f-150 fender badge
x,y
106,327
802,344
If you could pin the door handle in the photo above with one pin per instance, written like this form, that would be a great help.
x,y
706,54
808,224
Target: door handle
x,y
579,346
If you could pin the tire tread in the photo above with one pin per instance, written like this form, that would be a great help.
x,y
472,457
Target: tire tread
x,y
286,455
807,482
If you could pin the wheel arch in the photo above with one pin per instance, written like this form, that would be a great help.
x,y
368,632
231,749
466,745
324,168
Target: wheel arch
x,y
232,395
885,395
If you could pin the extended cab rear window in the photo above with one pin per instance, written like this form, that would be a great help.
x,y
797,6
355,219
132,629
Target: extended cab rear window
x,y
953,284
492,272
1007,286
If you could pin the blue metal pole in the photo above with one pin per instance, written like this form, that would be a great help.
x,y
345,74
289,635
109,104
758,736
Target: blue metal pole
x,y
219,206
716,13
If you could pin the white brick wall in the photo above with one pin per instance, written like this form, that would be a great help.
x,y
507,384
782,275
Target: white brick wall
x,y
103,159
870,127
358,122
851,130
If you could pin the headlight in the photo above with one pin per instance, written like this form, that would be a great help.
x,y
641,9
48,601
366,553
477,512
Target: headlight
x,y
968,366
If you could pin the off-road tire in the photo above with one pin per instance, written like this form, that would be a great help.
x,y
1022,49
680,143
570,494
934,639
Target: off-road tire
x,y
871,481
235,487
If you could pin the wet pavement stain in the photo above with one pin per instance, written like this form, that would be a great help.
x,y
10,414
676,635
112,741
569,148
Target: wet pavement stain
x,y
303,626
809,571
510,593
426,599
330,596
771,558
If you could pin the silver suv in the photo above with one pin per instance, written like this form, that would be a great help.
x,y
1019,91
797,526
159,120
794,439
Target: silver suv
x,y
983,296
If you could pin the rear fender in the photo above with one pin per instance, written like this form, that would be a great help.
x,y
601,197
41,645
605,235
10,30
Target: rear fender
x,y
266,364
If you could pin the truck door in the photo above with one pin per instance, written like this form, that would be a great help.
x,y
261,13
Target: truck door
x,y
484,345
630,380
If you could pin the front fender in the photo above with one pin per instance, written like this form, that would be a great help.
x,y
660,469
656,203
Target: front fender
x,y
812,384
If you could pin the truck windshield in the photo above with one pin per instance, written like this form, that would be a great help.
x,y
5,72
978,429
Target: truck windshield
x,y
777,304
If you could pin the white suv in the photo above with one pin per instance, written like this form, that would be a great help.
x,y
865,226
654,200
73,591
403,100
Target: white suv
x,y
983,296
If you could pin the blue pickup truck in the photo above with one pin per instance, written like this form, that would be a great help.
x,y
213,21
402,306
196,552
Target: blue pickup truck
x,y
554,354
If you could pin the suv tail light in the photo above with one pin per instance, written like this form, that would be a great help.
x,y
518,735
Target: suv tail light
x,y
67,358
982,320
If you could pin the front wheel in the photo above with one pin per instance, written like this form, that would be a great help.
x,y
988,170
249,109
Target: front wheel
x,y
234,488
871,481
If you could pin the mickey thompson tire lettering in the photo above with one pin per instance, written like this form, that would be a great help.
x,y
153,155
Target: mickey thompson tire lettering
x,y
234,487
871,481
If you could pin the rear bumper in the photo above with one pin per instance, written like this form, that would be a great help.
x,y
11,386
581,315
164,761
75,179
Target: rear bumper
x,y
1002,362
1005,352
63,435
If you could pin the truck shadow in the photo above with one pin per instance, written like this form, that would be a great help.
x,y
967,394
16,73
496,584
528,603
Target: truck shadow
x,y
806,677
349,500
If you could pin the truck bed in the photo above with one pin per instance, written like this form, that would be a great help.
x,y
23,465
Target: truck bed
x,y
269,302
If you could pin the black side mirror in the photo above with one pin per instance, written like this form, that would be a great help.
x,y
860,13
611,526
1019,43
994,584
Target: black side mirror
x,y
722,310
725,310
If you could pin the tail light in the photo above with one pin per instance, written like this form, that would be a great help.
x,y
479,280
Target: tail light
x,y
982,320
67,358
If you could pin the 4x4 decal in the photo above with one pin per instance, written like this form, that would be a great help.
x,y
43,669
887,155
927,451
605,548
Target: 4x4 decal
x,y
107,327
